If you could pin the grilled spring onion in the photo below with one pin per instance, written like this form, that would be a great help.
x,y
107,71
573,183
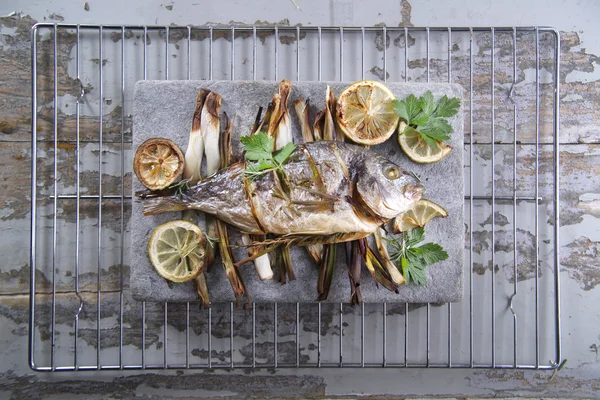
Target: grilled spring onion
x,y
329,131
301,106
318,126
195,148
202,289
324,126
210,126
355,254
329,250
324,129
204,137
281,128
223,153
385,259
231,271
192,173
326,270
378,271
261,263
284,124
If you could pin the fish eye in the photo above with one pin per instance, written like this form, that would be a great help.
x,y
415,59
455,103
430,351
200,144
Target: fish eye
x,y
392,172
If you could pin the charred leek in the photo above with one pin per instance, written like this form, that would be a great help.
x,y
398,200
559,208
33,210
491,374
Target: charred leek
x,y
191,174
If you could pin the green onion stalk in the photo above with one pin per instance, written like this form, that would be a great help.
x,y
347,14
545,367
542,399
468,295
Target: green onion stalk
x,y
192,174
280,127
262,263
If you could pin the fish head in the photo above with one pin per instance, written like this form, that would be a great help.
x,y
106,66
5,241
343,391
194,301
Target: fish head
x,y
385,188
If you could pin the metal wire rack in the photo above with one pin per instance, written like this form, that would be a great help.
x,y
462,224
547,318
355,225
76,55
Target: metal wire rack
x,y
81,314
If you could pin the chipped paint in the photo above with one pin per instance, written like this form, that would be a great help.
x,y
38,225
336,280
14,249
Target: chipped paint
x,y
579,212
581,262
405,12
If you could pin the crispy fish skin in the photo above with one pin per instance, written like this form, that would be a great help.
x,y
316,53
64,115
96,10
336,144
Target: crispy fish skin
x,y
327,188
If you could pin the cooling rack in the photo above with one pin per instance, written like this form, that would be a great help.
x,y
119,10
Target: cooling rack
x,y
82,316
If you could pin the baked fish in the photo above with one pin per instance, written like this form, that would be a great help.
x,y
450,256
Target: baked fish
x,y
327,192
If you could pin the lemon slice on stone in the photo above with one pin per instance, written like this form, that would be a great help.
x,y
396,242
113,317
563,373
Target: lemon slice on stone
x,y
419,215
365,112
158,163
177,250
417,149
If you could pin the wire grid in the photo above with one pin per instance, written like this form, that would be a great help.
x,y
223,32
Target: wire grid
x,y
81,314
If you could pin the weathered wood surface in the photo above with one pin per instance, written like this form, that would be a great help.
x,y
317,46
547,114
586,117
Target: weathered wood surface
x,y
579,213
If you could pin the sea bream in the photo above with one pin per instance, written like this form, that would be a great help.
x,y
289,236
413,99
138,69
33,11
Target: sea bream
x,y
326,192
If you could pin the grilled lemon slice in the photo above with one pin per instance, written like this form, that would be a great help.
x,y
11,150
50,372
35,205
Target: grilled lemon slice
x,y
417,149
365,112
421,213
177,250
158,163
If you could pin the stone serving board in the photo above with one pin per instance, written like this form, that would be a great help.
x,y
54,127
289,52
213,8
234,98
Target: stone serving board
x,y
165,108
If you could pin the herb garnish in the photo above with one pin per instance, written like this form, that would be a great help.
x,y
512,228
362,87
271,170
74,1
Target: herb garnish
x,y
212,241
180,187
259,150
426,117
413,259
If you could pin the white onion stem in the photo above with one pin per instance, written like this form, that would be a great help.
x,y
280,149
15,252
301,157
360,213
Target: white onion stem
x,y
262,263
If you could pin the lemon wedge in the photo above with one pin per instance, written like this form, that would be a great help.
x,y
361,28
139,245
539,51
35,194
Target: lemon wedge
x,y
419,215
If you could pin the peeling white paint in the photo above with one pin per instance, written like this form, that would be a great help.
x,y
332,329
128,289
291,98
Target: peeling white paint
x,y
545,76
589,197
581,319
582,76
572,97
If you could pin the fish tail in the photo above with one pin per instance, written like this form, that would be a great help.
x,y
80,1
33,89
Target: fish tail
x,y
159,205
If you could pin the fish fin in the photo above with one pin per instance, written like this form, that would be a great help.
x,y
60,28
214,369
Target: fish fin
x,y
159,205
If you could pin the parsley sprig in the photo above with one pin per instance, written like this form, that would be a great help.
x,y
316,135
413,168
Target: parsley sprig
x,y
259,151
413,259
426,117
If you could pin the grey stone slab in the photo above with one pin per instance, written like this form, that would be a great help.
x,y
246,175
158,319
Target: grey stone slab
x,y
164,109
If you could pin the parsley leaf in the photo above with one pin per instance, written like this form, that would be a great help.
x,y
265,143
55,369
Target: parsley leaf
x,y
435,129
411,259
431,253
420,120
400,109
259,151
258,146
427,117
284,153
447,107
412,106
427,103
407,109
415,236
416,274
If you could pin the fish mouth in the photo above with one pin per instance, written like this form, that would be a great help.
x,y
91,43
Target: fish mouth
x,y
414,191
411,192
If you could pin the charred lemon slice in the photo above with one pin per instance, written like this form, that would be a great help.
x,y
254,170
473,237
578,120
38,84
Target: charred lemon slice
x,y
365,112
422,212
417,149
158,163
176,250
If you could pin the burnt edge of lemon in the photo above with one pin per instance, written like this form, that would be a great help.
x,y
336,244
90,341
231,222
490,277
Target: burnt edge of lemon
x,y
157,141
